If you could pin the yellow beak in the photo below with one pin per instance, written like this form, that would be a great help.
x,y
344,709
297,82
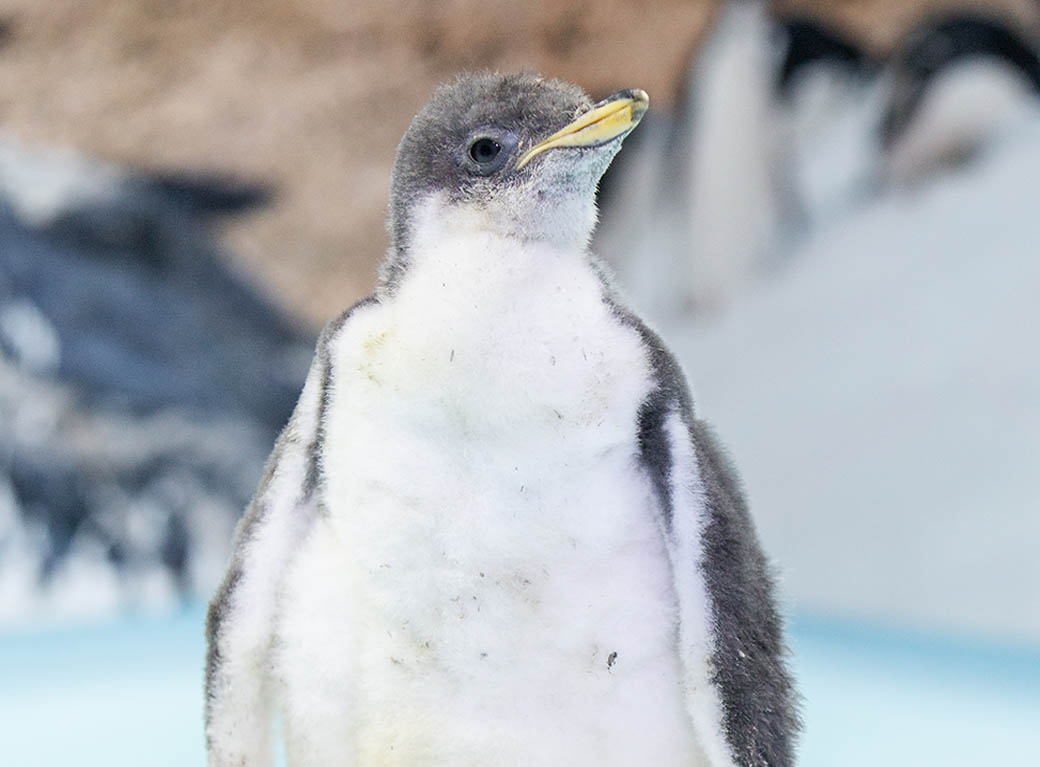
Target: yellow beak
x,y
606,121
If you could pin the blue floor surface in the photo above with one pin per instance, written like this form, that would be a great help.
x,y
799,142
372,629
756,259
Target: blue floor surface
x,y
130,694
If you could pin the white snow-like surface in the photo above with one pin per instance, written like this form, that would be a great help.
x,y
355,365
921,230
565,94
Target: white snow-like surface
x,y
881,397
129,693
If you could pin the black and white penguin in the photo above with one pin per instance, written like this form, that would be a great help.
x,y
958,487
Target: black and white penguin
x,y
718,191
827,101
955,84
494,530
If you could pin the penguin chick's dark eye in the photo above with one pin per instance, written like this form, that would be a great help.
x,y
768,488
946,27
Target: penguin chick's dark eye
x,y
484,150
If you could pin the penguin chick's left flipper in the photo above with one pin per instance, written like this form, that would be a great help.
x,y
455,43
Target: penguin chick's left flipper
x,y
242,614
739,692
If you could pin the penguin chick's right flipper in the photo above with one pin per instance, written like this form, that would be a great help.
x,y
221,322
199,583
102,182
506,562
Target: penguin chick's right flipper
x,y
741,696
239,626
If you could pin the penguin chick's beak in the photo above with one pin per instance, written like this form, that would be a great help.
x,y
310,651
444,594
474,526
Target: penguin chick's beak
x,y
609,119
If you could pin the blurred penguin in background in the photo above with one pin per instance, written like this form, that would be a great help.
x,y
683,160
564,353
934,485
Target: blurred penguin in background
x,y
733,202
702,204
828,98
957,83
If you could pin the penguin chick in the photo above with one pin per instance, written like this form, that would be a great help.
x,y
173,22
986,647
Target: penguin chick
x,y
494,531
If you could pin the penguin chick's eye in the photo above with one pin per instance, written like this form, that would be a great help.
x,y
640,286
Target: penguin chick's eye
x,y
487,151
484,150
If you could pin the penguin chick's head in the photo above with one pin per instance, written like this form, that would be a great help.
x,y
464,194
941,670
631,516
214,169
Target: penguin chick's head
x,y
516,155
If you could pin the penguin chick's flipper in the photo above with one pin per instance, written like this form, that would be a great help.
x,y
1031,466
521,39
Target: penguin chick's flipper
x,y
241,619
730,632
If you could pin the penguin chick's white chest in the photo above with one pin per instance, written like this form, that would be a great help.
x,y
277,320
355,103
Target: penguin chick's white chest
x,y
489,584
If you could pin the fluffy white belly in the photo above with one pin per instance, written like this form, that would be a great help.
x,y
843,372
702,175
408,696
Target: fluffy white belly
x,y
499,610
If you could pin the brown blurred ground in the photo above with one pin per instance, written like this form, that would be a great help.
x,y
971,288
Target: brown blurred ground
x,y
314,94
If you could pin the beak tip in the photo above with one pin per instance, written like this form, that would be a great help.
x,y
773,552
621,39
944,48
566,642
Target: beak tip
x,y
635,95
639,102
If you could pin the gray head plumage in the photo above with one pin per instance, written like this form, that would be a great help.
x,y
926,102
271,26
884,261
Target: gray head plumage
x,y
472,146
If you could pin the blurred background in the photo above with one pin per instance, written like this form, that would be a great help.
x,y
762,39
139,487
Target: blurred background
x,y
830,213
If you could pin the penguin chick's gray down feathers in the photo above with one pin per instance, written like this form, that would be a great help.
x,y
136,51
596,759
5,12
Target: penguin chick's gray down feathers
x,y
494,531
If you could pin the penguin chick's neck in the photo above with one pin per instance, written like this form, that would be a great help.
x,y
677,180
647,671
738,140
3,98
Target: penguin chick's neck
x,y
485,231
472,258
